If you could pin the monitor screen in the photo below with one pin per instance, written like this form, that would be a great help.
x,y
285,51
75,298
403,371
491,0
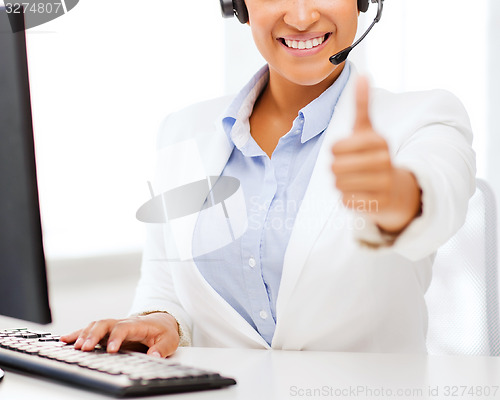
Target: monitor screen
x,y
23,282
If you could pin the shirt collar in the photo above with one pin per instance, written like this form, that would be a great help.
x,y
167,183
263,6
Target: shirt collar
x,y
316,115
235,119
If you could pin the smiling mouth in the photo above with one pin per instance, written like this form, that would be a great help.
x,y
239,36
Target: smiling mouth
x,y
305,44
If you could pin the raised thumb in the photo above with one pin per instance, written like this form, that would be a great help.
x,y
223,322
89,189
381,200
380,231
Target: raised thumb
x,y
362,122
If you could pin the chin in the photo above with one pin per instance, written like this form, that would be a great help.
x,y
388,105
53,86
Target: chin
x,y
309,81
310,75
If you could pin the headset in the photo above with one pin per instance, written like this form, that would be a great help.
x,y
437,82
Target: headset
x,y
238,8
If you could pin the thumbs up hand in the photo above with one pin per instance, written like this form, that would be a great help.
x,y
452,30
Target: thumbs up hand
x,y
364,173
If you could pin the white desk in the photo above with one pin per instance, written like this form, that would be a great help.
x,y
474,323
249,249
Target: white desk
x,y
280,375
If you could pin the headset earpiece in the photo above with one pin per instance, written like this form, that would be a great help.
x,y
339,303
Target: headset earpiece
x,y
238,7
227,8
230,8
363,5
240,10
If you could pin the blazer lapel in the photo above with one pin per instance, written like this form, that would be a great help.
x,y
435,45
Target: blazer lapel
x,y
319,201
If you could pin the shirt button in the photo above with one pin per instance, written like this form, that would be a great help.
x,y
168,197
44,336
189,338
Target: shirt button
x,y
263,314
252,262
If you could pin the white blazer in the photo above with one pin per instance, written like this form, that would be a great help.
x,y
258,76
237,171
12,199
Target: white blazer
x,y
335,293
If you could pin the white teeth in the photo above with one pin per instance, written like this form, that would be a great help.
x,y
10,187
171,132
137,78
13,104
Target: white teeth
x,y
301,44
292,43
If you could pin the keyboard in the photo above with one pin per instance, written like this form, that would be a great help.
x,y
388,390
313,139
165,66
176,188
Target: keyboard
x,y
119,374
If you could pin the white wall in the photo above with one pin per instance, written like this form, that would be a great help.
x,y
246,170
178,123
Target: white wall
x,y
102,78
242,59
437,44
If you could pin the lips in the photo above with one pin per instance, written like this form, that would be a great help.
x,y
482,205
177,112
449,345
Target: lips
x,y
304,42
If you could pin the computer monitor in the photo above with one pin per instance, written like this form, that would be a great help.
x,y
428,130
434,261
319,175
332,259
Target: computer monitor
x,y
23,282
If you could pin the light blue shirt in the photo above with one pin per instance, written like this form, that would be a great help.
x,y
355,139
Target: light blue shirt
x,y
249,271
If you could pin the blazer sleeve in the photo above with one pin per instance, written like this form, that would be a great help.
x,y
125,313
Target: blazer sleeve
x,y
156,289
432,138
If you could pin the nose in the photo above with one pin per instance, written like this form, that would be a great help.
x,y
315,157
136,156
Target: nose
x,y
301,14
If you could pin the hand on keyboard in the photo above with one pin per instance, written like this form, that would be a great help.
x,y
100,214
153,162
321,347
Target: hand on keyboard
x,y
158,332
121,374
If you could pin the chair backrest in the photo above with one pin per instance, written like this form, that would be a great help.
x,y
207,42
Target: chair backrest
x,y
463,297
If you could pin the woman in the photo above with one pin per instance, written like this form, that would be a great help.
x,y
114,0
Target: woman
x,y
366,186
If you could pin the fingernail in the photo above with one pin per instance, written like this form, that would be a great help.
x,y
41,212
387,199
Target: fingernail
x,y
87,344
156,354
79,342
112,346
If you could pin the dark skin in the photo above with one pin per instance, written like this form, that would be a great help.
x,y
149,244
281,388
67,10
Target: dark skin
x,y
279,104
